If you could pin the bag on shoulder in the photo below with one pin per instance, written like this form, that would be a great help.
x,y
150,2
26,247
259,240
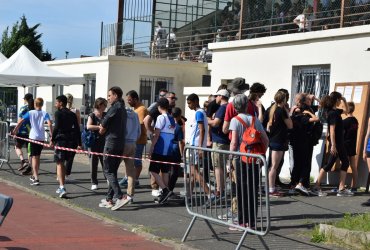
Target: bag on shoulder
x,y
316,133
89,136
251,141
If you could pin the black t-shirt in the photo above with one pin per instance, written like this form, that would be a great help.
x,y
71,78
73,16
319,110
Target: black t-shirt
x,y
279,130
350,126
301,128
334,118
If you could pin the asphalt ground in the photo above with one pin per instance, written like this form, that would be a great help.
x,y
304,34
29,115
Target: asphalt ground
x,y
292,217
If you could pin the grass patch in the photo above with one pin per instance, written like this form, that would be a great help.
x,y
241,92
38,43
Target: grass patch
x,y
356,222
317,237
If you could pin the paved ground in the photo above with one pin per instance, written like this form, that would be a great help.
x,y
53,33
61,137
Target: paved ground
x,y
292,217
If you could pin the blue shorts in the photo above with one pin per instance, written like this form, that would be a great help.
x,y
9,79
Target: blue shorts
x,y
139,154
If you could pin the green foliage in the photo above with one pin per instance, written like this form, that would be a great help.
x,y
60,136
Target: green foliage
x,y
317,237
22,34
357,222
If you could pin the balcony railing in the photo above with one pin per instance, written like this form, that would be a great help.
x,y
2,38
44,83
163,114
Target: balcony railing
x,y
191,42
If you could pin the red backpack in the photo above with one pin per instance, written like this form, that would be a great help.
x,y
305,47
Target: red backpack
x,y
251,141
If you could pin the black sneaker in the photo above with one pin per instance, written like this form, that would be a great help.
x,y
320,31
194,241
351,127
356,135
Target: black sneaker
x,y
27,171
24,164
34,182
166,193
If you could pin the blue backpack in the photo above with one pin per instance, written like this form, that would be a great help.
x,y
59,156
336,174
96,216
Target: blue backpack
x,y
88,136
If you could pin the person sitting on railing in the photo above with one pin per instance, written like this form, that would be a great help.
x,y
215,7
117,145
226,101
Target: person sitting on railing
x,y
159,39
304,21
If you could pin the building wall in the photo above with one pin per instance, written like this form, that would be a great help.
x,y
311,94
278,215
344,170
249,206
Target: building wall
x,y
271,60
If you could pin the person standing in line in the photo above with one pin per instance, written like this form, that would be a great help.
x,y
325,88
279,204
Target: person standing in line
x,y
23,132
255,107
134,101
69,162
113,127
350,126
149,122
278,125
37,118
161,148
331,105
220,141
245,173
132,135
65,132
162,93
93,123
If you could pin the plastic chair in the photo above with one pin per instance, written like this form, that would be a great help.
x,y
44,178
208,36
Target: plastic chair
x,y
6,203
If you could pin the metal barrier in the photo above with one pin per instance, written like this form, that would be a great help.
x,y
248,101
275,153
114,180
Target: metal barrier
x,y
238,200
4,144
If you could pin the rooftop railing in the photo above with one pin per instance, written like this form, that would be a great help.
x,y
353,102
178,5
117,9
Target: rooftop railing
x,y
190,42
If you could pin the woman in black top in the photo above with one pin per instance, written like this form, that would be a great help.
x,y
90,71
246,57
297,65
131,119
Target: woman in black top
x,y
278,125
330,105
350,126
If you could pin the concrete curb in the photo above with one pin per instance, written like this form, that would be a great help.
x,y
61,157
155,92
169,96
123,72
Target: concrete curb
x,y
355,239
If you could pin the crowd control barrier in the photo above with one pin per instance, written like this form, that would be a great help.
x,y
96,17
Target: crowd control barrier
x,y
4,144
240,202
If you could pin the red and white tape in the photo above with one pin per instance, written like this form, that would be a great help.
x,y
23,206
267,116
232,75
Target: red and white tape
x,y
80,151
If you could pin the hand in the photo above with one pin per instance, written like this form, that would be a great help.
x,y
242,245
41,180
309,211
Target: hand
x,y
307,112
333,150
51,144
258,104
102,130
209,143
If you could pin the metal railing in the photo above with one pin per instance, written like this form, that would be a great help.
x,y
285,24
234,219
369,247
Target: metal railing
x,y
233,196
4,144
192,39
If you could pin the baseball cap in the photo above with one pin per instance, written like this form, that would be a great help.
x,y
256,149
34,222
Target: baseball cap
x,y
223,92
28,96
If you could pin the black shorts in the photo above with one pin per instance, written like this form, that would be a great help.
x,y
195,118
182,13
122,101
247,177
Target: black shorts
x,y
63,155
35,149
19,142
157,167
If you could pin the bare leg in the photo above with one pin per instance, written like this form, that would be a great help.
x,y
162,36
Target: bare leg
x,y
61,172
219,172
36,166
352,161
275,161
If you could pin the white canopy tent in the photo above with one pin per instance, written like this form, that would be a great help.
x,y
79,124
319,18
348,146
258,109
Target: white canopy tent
x,y
24,69
2,58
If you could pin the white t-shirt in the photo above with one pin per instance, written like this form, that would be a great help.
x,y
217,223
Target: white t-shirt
x,y
200,117
37,119
305,22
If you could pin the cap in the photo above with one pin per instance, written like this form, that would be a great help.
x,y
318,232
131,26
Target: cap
x,y
28,96
238,86
223,92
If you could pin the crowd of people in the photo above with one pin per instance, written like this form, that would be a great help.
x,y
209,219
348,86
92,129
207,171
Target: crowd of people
x,y
123,131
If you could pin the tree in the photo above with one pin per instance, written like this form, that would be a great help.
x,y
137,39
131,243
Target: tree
x,y
22,34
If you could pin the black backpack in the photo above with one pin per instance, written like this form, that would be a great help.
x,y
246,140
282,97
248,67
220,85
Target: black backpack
x,y
316,133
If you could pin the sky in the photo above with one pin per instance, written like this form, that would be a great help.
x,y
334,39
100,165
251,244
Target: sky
x,y
66,25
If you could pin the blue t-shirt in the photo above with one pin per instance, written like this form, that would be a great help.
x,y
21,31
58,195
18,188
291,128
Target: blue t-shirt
x,y
216,132
25,128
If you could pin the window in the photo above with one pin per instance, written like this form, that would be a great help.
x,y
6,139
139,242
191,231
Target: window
x,y
312,80
150,86
88,98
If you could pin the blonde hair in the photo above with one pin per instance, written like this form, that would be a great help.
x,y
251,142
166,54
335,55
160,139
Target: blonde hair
x,y
39,102
279,98
69,101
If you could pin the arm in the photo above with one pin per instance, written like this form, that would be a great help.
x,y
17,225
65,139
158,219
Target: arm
x,y
57,124
260,111
90,126
154,140
19,124
366,139
50,125
214,123
333,149
148,123
234,141
201,133
78,114
225,127
77,131
313,118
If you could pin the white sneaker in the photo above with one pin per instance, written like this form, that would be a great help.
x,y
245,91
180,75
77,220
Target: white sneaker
x,y
121,202
156,193
94,187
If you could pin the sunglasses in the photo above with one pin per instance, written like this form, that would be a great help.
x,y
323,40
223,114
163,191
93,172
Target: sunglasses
x,y
173,98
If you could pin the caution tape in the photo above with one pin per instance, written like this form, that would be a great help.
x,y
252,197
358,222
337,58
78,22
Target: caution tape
x,y
80,151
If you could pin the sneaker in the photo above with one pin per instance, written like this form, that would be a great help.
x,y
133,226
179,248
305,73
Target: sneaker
x,y
292,191
334,190
24,164
57,191
345,193
231,228
27,171
156,193
94,187
106,204
276,194
34,182
302,189
318,192
121,202
354,190
62,193
166,193
123,182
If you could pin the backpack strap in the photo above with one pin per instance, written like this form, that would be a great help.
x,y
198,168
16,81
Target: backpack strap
x,y
243,122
